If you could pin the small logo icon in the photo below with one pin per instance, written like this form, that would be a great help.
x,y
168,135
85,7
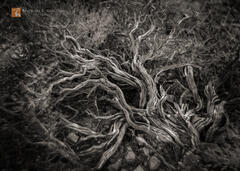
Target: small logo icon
x,y
16,12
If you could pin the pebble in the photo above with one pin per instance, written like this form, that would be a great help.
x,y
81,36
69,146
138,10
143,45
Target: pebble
x,y
130,156
146,151
141,141
145,163
73,137
115,166
123,170
154,163
139,168
190,159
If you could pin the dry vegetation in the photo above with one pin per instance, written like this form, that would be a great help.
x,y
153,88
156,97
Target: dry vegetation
x,y
84,83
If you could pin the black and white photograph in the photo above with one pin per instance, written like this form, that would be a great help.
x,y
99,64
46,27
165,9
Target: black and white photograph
x,y
120,85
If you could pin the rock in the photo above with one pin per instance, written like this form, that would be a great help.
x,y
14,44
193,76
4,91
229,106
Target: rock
x,y
73,137
123,170
139,168
146,151
190,159
130,156
154,163
115,166
141,141
145,163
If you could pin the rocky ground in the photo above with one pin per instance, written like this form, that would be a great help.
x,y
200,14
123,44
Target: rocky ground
x,y
71,76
